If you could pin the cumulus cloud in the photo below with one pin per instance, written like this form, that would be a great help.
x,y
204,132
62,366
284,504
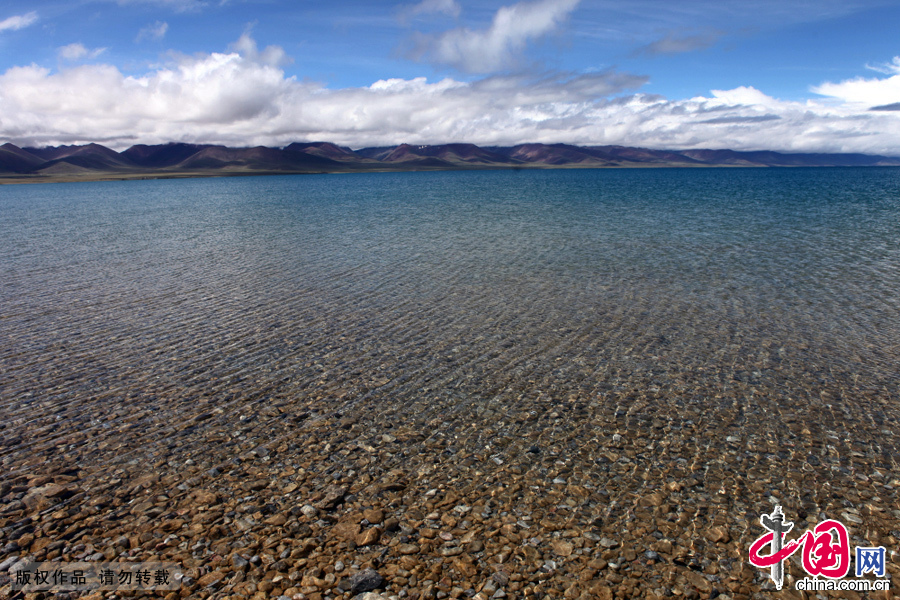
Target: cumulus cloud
x,y
154,31
271,55
500,46
18,21
243,97
77,51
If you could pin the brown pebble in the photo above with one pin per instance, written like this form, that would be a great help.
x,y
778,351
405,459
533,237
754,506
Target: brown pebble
x,y
368,537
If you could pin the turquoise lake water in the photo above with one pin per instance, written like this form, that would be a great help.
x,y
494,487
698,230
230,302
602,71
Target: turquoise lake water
x,y
508,286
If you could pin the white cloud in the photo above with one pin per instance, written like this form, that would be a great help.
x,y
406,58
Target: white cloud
x,y
891,68
177,5
271,55
243,98
18,21
499,46
77,51
154,31
427,7
866,92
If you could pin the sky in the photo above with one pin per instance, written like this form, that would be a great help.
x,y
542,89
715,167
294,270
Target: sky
x,y
786,75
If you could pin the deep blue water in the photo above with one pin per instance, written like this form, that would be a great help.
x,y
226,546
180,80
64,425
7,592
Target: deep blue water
x,y
501,284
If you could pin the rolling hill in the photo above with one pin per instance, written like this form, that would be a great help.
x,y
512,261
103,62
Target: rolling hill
x,y
93,161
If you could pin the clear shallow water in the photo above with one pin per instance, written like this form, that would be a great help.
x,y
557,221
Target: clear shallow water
x,y
732,291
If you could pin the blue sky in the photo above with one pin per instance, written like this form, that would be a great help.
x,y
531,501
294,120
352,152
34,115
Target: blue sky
x,y
787,75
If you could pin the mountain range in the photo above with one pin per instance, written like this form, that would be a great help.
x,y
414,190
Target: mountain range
x,y
93,161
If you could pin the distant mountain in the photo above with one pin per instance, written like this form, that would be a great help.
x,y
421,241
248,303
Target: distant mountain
x,y
159,157
259,158
625,154
93,161
92,157
777,159
453,154
15,160
553,154
325,150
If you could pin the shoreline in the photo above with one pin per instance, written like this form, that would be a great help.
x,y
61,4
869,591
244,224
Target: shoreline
x,y
150,175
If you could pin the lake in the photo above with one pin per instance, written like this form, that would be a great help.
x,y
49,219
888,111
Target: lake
x,y
571,318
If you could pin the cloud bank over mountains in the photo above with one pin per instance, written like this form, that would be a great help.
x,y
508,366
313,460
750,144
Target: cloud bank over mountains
x,y
242,96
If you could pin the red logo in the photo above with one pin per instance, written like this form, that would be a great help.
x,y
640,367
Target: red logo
x,y
826,548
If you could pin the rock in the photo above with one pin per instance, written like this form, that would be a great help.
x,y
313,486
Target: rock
x,y
211,578
718,535
45,496
562,548
373,516
608,543
407,549
239,563
204,497
852,518
6,564
601,591
368,537
365,581
698,581
309,511
276,520
346,530
654,499
333,496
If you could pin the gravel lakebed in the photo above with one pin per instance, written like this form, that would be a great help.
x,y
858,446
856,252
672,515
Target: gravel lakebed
x,y
574,497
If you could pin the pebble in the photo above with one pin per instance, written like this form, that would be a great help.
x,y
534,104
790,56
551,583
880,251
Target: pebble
x,y
10,561
365,581
407,549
